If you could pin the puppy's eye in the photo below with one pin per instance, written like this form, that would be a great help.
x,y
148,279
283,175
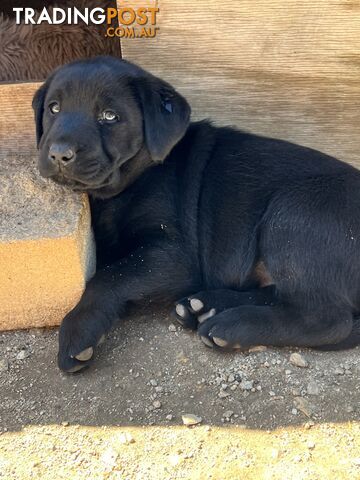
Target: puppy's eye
x,y
54,108
108,116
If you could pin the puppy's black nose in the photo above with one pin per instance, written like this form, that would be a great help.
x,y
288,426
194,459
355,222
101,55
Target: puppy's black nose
x,y
61,153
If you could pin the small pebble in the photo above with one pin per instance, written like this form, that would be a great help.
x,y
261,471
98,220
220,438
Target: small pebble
x,y
23,354
169,417
258,348
298,360
190,419
153,383
275,454
228,414
126,438
339,371
157,404
172,328
246,384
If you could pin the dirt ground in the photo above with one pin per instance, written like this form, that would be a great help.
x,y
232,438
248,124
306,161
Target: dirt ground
x,y
262,416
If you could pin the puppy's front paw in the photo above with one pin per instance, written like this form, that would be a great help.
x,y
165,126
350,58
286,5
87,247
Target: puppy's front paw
x,y
80,333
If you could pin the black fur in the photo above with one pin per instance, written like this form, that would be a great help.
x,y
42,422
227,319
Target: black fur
x,y
190,210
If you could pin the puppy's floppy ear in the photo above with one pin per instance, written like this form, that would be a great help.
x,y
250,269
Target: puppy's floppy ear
x,y
38,107
166,115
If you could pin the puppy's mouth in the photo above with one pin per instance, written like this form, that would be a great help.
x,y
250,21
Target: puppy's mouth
x,y
75,185
80,185
102,178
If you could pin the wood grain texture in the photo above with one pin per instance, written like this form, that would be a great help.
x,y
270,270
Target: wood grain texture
x,y
17,126
283,68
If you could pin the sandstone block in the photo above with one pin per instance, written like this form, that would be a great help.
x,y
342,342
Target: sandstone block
x,y
46,246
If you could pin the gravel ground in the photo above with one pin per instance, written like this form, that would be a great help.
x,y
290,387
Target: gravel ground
x,y
285,406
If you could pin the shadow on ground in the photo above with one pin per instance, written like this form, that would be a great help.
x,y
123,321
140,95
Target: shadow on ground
x,y
151,372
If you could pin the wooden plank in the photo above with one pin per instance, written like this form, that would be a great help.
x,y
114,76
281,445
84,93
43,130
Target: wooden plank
x,y
282,68
17,127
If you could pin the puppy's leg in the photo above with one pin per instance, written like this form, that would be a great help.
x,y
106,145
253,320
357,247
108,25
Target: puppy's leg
x,y
195,309
158,274
279,325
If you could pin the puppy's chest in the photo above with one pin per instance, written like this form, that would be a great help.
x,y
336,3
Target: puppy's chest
x,y
120,227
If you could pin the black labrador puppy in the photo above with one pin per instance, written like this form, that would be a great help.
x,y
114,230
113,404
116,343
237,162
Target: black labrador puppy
x,y
257,240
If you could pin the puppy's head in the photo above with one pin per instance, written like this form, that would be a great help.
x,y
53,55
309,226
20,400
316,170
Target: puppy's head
x,y
101,122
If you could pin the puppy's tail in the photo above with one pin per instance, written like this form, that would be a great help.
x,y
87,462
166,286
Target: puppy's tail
x,y
352,341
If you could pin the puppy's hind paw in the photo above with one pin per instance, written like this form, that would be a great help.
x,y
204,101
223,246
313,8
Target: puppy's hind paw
x,y
190,311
